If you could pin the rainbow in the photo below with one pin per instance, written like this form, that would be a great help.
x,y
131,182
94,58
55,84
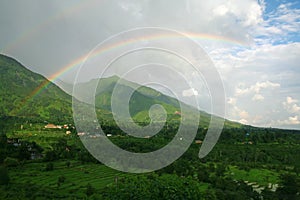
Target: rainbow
x,y
80,60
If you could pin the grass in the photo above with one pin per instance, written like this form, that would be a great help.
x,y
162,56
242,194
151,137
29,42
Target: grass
x,y
260,176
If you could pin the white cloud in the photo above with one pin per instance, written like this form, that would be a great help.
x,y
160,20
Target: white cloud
x,y
221,10
232,101
258,97
256,88
243,121
290,121
238,114
280,23
291,105
244,114
290,100
294,120
295,108
190,92
266,60
249,13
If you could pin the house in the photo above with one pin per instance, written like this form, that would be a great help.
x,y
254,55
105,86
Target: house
x,y
14,141
198,141
52,126
34,154
177,113
68,132
81,134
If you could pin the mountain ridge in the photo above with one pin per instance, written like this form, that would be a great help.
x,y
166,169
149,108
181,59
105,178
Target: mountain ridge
x,y
51,103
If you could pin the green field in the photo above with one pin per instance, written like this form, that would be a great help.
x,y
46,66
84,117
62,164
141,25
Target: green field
x,y
77,175
260,176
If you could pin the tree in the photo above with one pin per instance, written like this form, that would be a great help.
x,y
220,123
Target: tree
x,y
3,145
23,153
220,170
290,187
152,186
49,166
4,176
50,156
89,190
297,169
3,140
68,164
203,175
269,195
60,180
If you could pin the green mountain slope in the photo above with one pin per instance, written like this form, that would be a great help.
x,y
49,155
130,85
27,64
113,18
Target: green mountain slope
x,y
140,102
26,94
29,95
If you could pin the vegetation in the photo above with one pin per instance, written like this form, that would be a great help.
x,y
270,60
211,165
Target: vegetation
x,y
234,169
41,163
25,95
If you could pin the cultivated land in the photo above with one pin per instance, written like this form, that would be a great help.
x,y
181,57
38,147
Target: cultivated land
x,y
67,171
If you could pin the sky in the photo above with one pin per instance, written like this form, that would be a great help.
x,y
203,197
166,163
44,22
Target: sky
x,y
254,45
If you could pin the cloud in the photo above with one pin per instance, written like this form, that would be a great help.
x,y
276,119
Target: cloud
x,y
244,114
280,24
258,97
290,121
190,92
256,88
257,56
294,120
238,114
249,14
243,121
290,100
232,101
291,105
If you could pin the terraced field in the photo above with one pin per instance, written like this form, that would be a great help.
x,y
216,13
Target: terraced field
x,y
76,176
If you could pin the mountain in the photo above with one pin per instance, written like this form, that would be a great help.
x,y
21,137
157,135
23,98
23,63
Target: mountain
x,y
25,94
29,95
140,102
